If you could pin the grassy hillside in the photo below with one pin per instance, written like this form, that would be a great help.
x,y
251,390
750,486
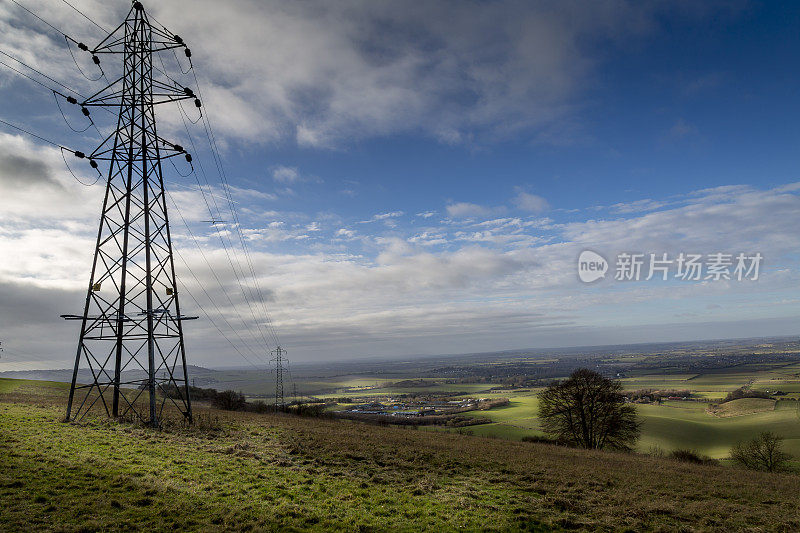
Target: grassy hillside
x,y
282,472
668,426
743,406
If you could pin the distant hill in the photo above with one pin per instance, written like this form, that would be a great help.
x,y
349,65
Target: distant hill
x,y
198,373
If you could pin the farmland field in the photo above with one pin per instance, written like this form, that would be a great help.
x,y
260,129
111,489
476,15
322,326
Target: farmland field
x,y
694,424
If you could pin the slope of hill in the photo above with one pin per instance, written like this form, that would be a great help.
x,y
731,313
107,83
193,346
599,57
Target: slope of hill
x,y
743,406
257,472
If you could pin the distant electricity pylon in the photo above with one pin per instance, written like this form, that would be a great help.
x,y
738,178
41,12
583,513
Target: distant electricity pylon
x,y
279,398
132,321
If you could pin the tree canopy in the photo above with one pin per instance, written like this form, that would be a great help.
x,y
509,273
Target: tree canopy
x,y
589,411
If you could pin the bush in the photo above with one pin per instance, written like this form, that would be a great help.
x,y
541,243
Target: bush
x,y
765,452
744,393
229,400
463,421
691,456
260,406
170,390
655,451
316,410
541,439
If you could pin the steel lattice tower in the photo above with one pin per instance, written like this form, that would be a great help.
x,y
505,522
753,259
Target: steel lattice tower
x,y
279,397
131,325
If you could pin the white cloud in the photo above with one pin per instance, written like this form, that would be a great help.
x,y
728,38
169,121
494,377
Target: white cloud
x,y
345,233
638,206
324,74
35,184
250,194
285,174
383,216
505,281
429,239
530,202
466,209
327,73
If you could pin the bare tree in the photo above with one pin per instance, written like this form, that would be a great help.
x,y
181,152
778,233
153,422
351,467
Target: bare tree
x,y
589,411
765,452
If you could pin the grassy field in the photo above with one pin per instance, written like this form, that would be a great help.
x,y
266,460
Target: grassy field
x,y
665,427
280,472
668,426
688,425
743,406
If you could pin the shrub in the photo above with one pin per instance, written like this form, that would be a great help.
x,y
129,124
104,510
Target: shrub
x,y
691,456
541,439
655,451
765,452
229,400
260,406
744,393
196,393
316,410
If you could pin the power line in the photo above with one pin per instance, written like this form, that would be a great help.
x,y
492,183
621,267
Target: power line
x,y
214,323
226,189
219,234
28,77
40,73
61,147
67,39
23,130
237,225
38,17
213,272
85,16
220,167
50,88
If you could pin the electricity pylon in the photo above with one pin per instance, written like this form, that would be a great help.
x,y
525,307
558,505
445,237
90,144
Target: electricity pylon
x,y
132,324
279,398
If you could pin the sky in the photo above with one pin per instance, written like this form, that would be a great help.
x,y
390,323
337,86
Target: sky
x,y
418,178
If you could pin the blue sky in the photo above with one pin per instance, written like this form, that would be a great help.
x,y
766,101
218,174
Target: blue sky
x,y
697,102
415,181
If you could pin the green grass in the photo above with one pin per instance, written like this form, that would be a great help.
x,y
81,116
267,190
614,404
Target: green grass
x,y
279,472
688,425
8,385
658,381
31,386
744,406
669,426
